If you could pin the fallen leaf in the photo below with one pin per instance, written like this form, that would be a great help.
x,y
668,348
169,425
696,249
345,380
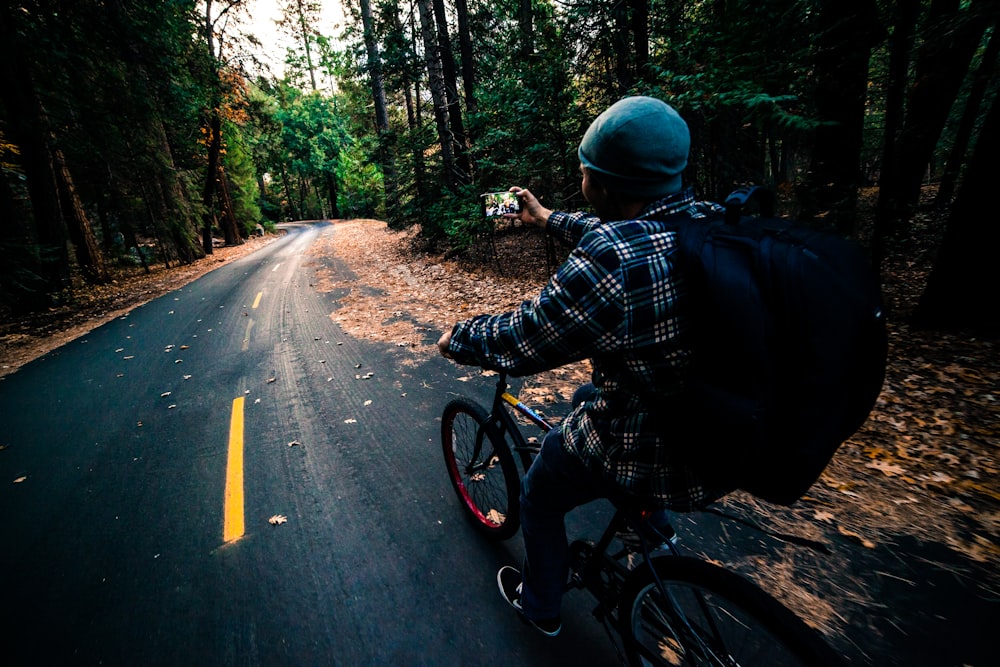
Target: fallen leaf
x,y
863,541
293,443
888,468
278,519
823,515
368,402
350,421
164,394
20,479
270,380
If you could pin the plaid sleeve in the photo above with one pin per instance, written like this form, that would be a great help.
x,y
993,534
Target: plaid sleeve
x,y
571,227
578,313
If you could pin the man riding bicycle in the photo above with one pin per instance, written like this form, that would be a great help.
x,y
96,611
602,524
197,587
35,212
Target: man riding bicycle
x,y
620,301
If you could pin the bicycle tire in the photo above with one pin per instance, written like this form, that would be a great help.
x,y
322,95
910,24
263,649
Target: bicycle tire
x,y
715,617
481,469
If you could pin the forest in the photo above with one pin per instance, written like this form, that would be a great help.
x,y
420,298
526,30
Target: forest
x,y
135,133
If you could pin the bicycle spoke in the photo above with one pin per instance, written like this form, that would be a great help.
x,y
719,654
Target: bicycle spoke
x,y
483,474
708,617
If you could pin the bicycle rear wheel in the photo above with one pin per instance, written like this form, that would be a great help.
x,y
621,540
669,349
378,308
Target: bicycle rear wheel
x,y
481,469
711,616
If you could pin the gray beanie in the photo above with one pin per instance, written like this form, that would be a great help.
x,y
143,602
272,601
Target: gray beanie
x,y
638,146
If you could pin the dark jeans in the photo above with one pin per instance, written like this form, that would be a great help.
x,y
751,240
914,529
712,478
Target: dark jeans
x,y
555,483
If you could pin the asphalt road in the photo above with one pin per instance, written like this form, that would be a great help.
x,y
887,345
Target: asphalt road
x,y
121,546
114,546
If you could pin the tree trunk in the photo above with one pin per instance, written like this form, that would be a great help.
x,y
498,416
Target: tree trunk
x,y
468,63
973,103
525,26
620,45
962,288
415,124
953,35
386,142
28,129
304,26
847,32
461,146
211,180
332,194
215,136
900,45
435,80
230,227
640,36
293,213
88,255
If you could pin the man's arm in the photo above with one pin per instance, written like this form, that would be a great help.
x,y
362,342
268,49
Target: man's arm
x,y
568,227
578,314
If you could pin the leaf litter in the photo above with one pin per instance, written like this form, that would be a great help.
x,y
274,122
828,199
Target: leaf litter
x,y
924,465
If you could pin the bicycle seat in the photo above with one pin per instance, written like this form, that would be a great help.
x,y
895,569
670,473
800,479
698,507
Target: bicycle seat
x,y
653,525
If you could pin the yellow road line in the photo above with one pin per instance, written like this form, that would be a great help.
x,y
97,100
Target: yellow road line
x,y
234,525
256,302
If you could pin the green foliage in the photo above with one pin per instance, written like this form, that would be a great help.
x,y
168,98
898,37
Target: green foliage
x,y
456,217
127,86
302,155
361,194
240,171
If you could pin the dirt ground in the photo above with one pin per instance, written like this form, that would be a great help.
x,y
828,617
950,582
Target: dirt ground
x,y
924,466
922,470
934,434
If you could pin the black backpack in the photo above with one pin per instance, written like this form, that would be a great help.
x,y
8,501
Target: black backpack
x,y
789,348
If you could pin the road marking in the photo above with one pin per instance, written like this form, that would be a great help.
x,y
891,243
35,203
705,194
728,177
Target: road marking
x,y
246,336
275,267
256,302
233,525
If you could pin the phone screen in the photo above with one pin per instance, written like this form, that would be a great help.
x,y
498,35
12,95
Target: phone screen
x,y
496,204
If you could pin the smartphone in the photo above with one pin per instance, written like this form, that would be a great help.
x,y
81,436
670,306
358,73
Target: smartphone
x,y
497,204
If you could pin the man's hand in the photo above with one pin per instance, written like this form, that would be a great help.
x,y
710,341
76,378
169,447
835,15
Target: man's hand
x,y
532,211
443,342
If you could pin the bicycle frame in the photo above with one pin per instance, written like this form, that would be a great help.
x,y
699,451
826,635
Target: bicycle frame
x,y
610,572
501,419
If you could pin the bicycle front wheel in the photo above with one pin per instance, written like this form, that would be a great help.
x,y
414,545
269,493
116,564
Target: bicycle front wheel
x,y
481,469
711,616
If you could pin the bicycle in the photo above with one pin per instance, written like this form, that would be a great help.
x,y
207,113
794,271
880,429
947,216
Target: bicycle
x,y
668,608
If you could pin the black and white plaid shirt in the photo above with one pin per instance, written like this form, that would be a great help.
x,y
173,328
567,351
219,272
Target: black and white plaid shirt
x,y
619,301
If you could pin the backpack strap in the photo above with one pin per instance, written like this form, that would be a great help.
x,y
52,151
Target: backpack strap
x,y
738,199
